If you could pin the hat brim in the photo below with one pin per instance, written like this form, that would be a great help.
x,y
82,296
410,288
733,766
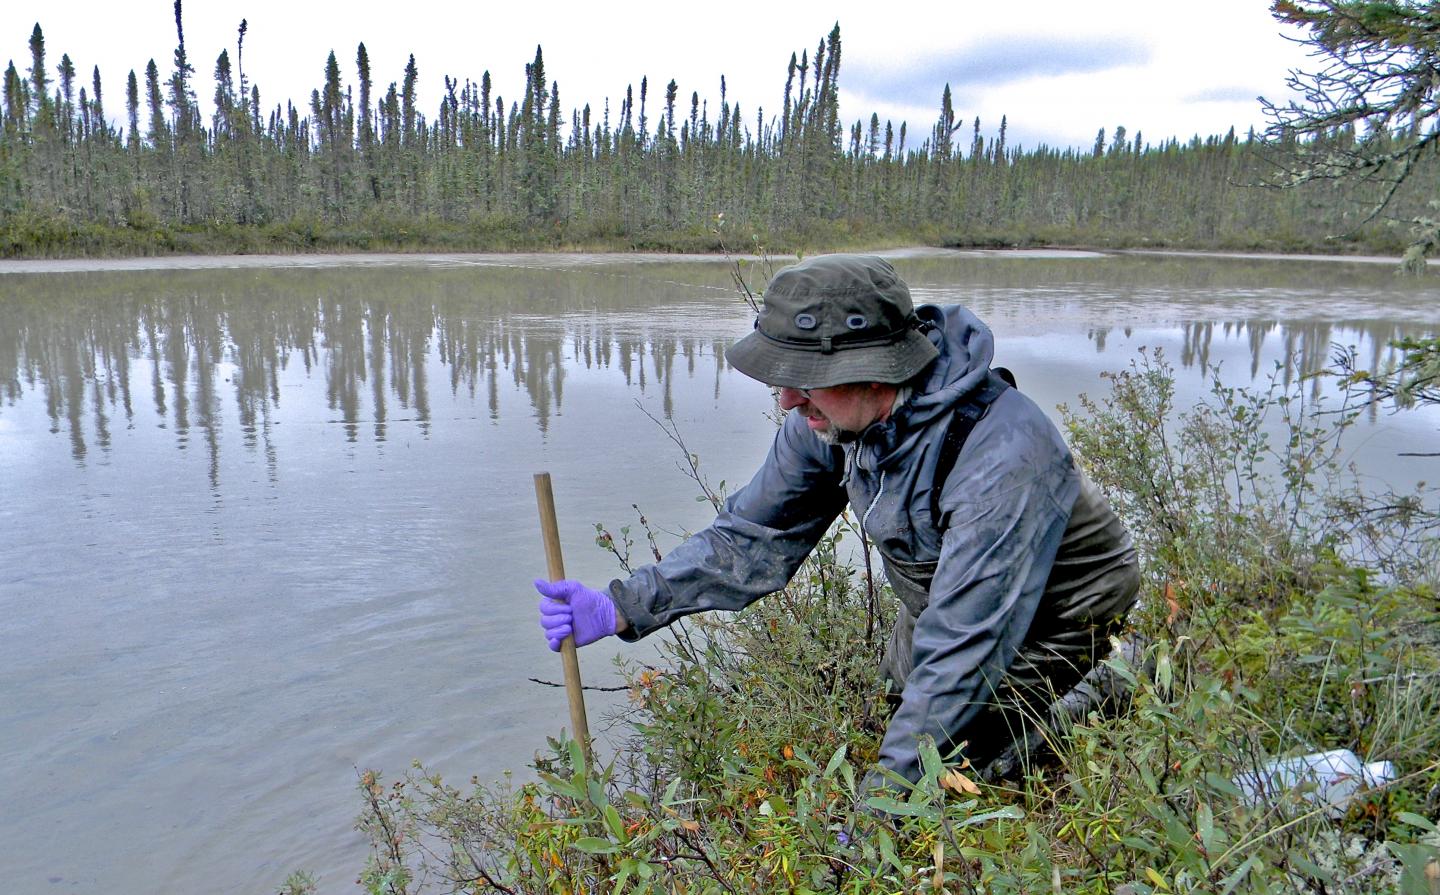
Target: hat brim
x,y
775,364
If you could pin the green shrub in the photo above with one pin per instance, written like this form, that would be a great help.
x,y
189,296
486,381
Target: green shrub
x,y
1274,627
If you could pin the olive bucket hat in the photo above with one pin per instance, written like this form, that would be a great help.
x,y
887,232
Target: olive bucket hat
x,y
832,320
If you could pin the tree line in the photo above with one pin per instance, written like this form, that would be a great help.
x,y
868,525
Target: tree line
x,y
365,166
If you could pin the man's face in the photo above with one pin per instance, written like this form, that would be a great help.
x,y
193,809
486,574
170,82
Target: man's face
x,y
841,412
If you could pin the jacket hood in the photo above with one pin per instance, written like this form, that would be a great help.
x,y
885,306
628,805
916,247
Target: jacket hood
x,y
966,348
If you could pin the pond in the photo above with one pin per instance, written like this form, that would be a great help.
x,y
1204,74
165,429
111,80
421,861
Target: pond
x,y
265,523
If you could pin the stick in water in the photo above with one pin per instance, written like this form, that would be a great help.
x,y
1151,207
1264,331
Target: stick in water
x,y
550,529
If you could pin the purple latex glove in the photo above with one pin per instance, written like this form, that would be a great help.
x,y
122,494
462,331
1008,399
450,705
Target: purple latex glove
x,y
569,607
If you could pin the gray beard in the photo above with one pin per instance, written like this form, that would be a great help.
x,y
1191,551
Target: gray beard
x,y
835,437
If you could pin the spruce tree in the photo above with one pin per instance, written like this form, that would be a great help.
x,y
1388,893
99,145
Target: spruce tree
x,y
182,99
407,102
97,105
644,131
785,109
362,65
367,123
159,131
669,125
223,117
132,112
944,128
65,112
244,91
17,102
328,109
39,79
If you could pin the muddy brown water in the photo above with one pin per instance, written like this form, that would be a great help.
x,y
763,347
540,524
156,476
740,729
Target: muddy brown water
x,y
265,522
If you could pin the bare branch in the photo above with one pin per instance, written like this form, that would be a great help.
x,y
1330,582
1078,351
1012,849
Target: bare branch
x,y
536,680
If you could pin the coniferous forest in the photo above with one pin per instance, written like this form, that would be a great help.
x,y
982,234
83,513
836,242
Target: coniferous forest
x,y
357,165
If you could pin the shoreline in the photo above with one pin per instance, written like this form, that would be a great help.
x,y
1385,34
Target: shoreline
x,y
46,266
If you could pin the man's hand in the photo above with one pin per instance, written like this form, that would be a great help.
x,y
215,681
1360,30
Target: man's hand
x,y
569,607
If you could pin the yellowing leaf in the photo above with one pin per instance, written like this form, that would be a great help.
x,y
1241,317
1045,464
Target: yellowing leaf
x,y
959,784
1172,602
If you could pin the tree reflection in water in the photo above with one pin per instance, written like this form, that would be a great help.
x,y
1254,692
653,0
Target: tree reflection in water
x,y
216,347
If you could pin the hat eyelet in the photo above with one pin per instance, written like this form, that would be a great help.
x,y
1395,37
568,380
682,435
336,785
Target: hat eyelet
x,y
806,321
856,321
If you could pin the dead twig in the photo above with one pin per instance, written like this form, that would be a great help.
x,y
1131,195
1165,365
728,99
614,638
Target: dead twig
x,y
536,680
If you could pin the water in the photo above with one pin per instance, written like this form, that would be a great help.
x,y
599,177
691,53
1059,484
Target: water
x,y
262,526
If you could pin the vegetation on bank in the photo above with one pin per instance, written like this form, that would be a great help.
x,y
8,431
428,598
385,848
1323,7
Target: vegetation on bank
x,y
358,167
33,235
1286,610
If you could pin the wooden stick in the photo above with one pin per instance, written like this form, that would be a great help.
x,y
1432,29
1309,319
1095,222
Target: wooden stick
x,y
550,530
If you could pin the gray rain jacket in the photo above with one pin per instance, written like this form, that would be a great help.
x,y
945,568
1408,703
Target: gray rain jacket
x,y
987,562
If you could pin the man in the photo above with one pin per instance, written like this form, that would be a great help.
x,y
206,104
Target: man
x,y
1011,569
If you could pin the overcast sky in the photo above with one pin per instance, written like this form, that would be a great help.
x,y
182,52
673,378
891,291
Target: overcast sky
x,y
1059,69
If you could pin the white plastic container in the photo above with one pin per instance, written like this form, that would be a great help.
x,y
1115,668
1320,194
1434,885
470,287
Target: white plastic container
x,y
1329,778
